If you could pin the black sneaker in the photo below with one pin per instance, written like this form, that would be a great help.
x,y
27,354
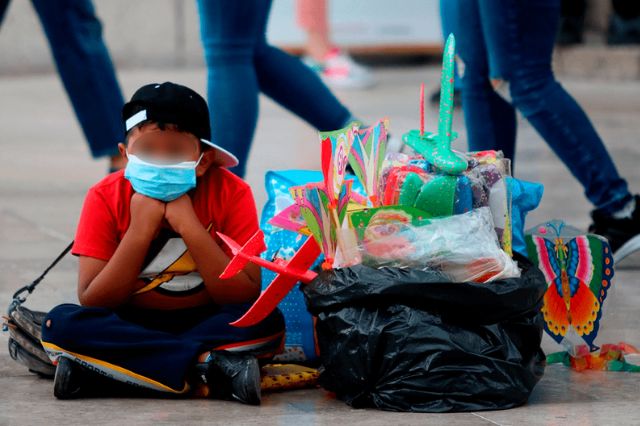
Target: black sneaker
x,y
623,234
67,382
570,30
72,381
623,31
234,376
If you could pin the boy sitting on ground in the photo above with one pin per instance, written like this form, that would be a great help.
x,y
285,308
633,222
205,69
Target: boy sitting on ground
x,y
154,312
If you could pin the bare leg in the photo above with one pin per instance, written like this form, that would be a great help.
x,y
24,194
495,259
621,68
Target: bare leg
x,y
312,17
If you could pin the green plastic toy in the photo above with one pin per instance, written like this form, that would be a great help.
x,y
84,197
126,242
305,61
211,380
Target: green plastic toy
x,y
436,148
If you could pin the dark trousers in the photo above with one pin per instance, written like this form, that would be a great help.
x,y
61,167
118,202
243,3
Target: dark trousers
x,y
151,348
511,43
84,64
242,64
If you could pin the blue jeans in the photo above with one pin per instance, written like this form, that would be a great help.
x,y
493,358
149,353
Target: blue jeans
x,y
509,43
75,37
449,21
241,64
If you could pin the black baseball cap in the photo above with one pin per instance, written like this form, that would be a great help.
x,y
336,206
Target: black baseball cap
x,y
172,103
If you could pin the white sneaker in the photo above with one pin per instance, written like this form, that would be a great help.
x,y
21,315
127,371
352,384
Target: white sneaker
x,y
340,71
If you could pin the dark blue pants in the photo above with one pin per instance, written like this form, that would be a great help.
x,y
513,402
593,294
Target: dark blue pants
x,y
151,348
241,64
511,41
75,37
449,22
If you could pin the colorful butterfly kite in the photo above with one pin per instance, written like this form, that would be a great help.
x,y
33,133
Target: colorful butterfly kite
x,y
578,269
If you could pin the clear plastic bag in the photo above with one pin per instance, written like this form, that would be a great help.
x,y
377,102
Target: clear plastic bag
x,y
464,247
412,181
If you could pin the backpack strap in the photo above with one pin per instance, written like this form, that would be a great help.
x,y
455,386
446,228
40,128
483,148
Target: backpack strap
x,y
18,299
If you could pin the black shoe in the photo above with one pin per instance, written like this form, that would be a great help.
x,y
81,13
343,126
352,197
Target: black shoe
x,y
570,31
623,234
67,383
234,376
72,381
623,31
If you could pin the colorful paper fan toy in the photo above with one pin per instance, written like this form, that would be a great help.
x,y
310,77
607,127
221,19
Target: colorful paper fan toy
x,y
322,218
367,157
335,148
578,269
291,219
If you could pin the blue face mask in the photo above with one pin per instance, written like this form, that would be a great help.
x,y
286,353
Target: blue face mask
x,y
164,182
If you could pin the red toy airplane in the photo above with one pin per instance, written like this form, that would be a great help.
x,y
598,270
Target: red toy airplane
x,y
289,273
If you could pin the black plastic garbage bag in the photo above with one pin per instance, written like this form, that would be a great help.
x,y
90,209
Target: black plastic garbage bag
x,y
406,340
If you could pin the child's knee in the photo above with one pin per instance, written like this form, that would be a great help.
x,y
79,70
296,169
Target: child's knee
x,y
56,322
62,322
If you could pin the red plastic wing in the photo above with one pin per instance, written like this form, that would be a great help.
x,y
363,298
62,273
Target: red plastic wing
x,y
242,255
297,269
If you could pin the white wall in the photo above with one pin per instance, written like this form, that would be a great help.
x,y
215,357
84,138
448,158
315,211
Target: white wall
x,y
364,22
165,33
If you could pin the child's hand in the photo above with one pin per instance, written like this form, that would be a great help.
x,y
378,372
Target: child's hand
x,y
146,215
180,214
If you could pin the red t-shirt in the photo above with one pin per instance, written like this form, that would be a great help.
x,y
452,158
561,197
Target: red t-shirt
x,y
222,201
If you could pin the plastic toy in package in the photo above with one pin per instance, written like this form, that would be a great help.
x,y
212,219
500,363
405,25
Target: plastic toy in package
x,y
463,247
435,194
488,173
414,182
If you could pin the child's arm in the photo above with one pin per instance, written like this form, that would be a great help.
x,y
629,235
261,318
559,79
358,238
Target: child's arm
x,y
210,258
110,284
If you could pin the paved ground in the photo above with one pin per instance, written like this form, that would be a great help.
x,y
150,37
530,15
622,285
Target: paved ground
x,y
46,170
